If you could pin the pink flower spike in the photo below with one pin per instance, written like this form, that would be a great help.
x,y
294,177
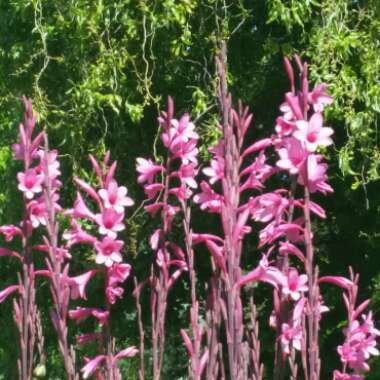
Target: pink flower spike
x,y
10,231
312,134
108,251
30,183
5,293
115,197
110,222
340,281
92,366
78,284
147,170
126,353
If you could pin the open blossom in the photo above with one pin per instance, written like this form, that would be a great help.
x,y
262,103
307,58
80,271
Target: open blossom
x,y
108,251
187,175
216,170
292,155
319,99
312,133
110,222
52,162
115,197
208,199
10,231
147,170
268,206
284,127
78,284
30,182
295,284
316,175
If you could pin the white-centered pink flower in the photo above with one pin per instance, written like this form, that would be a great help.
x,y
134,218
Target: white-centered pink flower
x,y
110,222
108,251
208,199
319,99
30,182
115,197
216,170
312,133
268,206
147,170
295,284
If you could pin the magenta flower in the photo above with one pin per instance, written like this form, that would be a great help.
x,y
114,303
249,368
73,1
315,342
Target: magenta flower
x,y
110,222
147,170
295,285
10,231
82,313
115,197
30,183
108,251
312,134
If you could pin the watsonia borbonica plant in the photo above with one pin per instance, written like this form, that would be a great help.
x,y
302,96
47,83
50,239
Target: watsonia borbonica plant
x,y
223,336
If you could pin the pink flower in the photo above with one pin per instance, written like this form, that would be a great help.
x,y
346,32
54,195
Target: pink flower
x,y
284,127
340,281
118,273
152,190
291,335
108,251
110,222
208,199
92,366
126,353
147,170
216,170
187,173
345,376
318,98
295,284
115,197
51,160
81,210
292,155
82,313
78,284
312,134
268,206
30,182
316,175
10,231
77,235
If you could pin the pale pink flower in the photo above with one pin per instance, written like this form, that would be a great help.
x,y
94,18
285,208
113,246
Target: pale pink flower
x,y
312,133
292,155
37,212
77,235
316,175
82,313
268,206
108,251
208,199
92,365
81,210
147,170
295,284
30,183
152,190
128,352
291,335
284,127
53,164
319,99
187,173
110,222
115,197
215,171
78,284
118,273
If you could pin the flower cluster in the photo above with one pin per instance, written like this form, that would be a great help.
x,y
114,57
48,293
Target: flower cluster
x,y
107,222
